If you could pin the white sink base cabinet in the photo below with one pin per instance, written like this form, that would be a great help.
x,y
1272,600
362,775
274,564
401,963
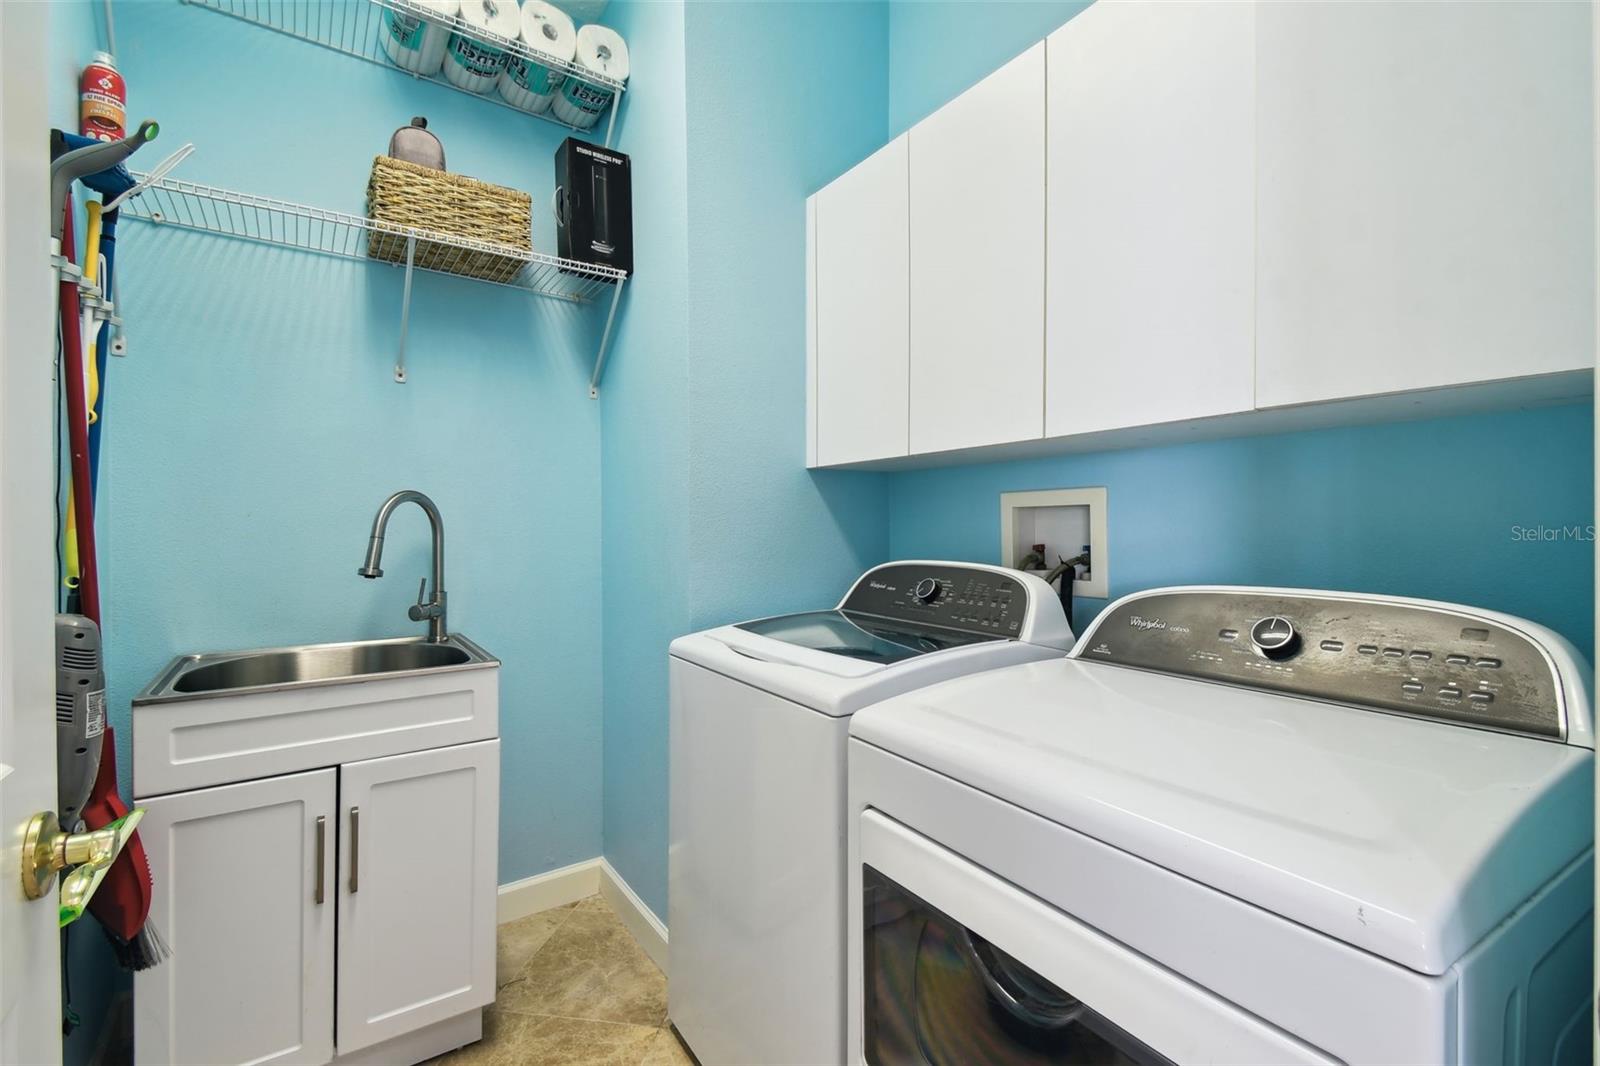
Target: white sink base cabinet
x,y
341,914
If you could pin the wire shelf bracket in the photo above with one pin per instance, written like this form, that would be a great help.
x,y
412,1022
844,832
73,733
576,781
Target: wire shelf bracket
x,y
353,28
262,220
605,341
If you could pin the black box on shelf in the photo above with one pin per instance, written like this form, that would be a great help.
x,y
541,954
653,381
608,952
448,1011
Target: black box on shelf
x,y
594,205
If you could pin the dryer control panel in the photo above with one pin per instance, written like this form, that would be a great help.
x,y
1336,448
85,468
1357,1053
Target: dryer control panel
x,y
1417,660
971,600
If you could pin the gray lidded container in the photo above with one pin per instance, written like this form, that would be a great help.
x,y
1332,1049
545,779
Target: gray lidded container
x,y
415,144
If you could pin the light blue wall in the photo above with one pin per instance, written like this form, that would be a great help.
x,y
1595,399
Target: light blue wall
x,y
645,445
768,536
939,48
1426,509
710,515
255,427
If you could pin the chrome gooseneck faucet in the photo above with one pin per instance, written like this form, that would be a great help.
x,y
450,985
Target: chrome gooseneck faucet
x,y
432,610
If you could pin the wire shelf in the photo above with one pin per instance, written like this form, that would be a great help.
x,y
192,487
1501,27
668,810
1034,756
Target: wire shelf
x,y
353,28
208,209
264,220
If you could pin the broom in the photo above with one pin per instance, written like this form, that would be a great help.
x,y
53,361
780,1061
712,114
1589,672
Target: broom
x,y
122,903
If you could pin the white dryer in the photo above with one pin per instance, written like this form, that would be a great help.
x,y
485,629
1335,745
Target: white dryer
x,y
760,713
1235,825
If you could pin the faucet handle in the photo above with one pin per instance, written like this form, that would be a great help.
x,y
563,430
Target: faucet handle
x,y
418,611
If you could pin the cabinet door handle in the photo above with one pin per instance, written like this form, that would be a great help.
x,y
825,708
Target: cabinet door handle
x,y
322,853
355,849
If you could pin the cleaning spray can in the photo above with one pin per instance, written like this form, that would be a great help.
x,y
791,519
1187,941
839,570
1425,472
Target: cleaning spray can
x,y
102,100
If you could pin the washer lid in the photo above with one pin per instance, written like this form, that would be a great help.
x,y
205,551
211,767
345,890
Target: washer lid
x,y
1401,836
861,636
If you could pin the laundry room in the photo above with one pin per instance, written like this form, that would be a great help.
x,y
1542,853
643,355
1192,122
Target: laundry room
x,y
797,532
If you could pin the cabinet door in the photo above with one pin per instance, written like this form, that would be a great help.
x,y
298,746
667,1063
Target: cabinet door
x,y
1426,190
977,263
416,889
235,895
861,260
1150,315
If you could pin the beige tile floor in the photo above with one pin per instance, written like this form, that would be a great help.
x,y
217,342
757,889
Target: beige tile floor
x,y
574,988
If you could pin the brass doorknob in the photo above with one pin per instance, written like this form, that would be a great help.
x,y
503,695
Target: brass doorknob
x,y
46,851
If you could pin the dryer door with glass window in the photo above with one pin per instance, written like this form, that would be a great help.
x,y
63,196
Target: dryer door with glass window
x,y
960,966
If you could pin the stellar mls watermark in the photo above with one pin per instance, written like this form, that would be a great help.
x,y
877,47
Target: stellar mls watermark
x,y
1542,534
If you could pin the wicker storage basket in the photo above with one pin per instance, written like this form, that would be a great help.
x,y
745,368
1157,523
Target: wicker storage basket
x,y
453,205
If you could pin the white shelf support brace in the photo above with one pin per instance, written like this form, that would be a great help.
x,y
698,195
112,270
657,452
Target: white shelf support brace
x,y
605,341
405,309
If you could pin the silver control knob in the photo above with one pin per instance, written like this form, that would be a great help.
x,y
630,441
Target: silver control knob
x,y
927,591
1275,637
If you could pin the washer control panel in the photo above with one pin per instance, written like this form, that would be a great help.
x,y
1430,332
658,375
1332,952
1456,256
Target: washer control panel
x,y
952,597
1418,660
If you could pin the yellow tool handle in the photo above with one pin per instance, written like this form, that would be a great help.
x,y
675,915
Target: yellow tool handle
x,y
91,273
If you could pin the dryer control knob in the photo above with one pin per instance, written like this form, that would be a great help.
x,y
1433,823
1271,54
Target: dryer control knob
x,y
1275,637
928,591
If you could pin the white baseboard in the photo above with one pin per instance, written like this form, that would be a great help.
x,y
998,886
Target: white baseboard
x,y
640,920
556,888
579,881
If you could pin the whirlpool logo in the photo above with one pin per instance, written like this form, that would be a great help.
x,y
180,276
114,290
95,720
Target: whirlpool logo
x,y
1141,623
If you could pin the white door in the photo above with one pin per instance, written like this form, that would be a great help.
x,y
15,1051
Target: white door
x,y
860,259
244,895
416,890
977,263
30,965
1150,315
1426,195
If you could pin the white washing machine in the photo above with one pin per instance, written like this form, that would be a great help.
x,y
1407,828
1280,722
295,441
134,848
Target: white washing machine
x,y
1235,825
760,713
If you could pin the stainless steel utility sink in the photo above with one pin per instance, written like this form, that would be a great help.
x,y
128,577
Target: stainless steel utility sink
x,y
199,676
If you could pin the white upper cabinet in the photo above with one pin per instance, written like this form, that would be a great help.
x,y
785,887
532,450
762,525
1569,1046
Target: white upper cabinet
x,y
1426,195
858,311
977,263
1151,192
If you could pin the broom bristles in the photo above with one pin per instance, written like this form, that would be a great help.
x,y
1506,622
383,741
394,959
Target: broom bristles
x,y
144,951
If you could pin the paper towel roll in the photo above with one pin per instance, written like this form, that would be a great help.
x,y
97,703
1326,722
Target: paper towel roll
x,y
474,64
547,30
416,44
605,52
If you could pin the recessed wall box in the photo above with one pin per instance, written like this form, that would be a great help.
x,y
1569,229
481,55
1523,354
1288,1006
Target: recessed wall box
x,y
1063,520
